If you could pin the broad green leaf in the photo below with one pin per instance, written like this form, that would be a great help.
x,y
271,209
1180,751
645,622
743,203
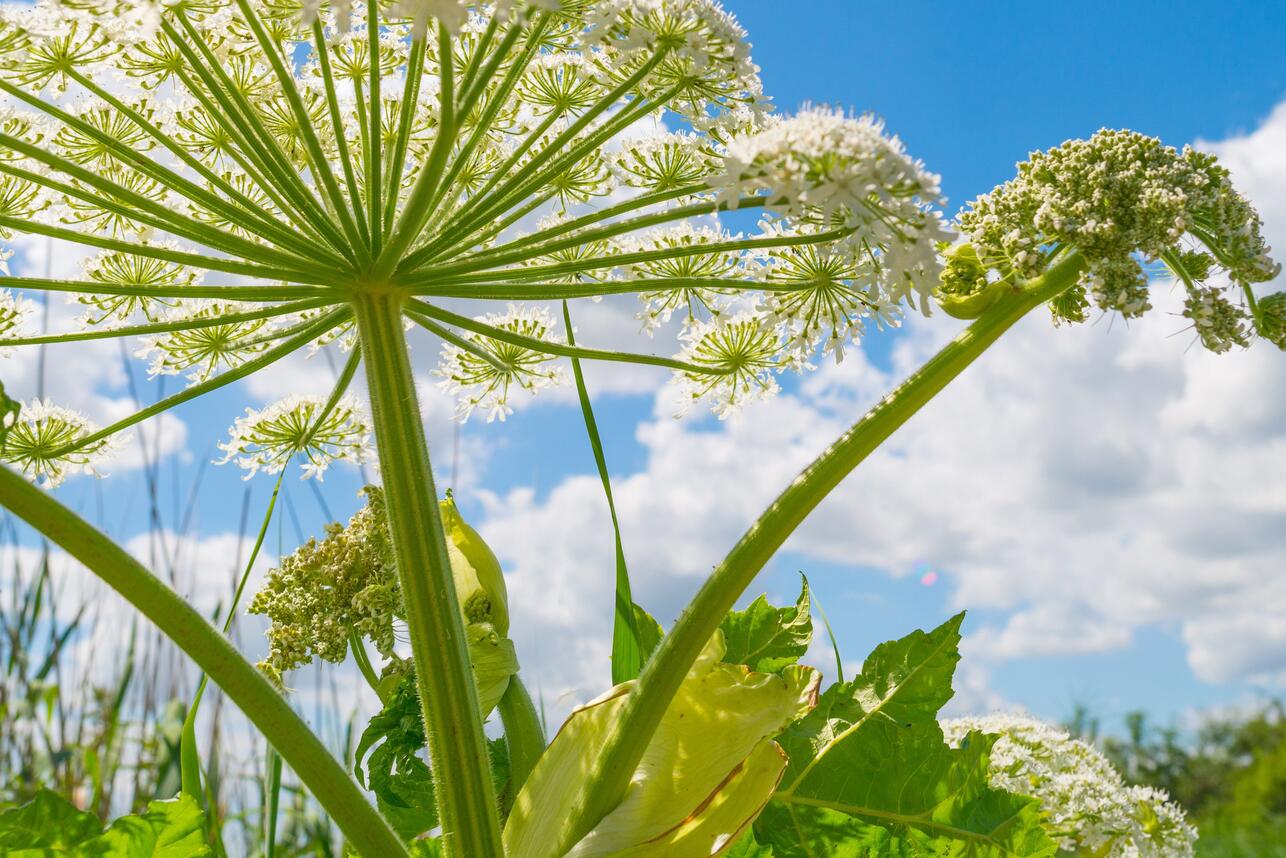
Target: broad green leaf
x,y
47,822
49,825
706,774
748,847
388,763
394,771
167,829
870,772
766,638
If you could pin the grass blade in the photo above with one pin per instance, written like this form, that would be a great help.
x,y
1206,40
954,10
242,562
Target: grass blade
x,y
627,658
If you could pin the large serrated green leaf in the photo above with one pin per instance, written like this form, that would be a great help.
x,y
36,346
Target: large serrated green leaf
x,y
871,774
766,638
50,825
47,822
167,829
388,763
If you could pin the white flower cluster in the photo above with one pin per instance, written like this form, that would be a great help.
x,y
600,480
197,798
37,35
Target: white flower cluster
x,y
827,169
481,371
702,52
738,356
213,343
36,440
15,314
267,439
1088,808
1122,200
164,135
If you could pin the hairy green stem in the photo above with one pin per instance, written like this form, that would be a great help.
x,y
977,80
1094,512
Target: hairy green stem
x,y
325,778
444,678
603,786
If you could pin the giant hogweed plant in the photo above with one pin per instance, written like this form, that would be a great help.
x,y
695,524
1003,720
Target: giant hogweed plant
x,y
256,178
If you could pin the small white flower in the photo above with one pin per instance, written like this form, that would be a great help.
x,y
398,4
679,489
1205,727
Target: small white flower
x,y
36,440
15,315
486,382
267,439
736,360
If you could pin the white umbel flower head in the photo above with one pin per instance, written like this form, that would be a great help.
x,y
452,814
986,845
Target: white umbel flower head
x,y
834,171
689,272
665,162
114,268
735,360
37,440
483,375
701,52
15,316
203,351
267,439
1089,808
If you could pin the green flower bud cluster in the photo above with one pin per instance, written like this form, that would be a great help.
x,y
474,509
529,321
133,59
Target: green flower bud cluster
x,y
1122,200
1270,319
347,584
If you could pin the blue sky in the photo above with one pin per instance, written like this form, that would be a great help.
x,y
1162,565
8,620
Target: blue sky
x,y
1088,579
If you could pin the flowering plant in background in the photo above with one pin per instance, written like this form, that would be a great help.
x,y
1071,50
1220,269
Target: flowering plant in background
x,y
258,178
1088,807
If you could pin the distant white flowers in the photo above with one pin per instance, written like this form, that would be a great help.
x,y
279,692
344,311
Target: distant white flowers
x,y
1089,809
309,427
483,370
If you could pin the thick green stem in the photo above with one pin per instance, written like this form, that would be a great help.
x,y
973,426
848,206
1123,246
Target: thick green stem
x,y
603,786
457,751
524,736
325,778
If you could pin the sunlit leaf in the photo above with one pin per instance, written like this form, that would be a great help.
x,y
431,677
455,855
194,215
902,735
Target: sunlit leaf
x,y
766,638
706,774
871,775
50,825
48,821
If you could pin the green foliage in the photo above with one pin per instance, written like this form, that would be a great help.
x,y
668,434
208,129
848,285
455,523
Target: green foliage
x,y
394,771
9,410
1230,775
389,761
870,773
766,638
49,825
650,631
48,821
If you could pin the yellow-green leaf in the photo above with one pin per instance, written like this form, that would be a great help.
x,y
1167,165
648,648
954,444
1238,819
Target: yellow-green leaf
x,y
709,770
